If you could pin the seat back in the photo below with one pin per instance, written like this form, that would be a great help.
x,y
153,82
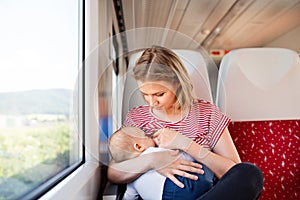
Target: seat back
x,y
259,89
196,67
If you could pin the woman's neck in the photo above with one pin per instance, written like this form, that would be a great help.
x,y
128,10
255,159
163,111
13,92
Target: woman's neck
x,y
171,115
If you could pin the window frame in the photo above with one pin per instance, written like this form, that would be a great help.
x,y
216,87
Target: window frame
x,y
64,175
84,182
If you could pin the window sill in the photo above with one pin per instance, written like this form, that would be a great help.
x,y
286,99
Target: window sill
x,y
83,183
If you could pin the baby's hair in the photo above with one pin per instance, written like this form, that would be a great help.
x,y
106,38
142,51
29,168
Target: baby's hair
x,y
121,144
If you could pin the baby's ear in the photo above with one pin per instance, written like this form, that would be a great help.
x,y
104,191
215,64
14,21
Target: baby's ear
x,y
138,147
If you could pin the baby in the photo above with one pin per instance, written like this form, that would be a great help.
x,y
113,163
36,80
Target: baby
x,y
130,142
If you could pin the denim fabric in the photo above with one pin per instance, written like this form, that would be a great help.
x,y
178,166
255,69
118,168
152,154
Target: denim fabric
x,y
244,181
192,189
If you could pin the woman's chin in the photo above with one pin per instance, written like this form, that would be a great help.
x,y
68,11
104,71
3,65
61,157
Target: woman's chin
x,y
157,108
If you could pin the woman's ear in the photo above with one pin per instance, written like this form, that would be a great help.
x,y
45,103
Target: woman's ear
x,y
138,147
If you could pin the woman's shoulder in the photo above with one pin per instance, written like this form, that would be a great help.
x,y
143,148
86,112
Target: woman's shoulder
x,y
205,105
203,102
137,116
140,108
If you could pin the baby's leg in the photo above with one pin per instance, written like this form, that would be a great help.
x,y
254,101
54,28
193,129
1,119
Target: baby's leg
x,y
192,188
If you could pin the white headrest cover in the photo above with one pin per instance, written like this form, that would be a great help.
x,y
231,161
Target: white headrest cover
x,y
259,84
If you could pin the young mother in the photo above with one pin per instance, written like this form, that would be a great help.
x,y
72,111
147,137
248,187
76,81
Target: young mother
x,y
185,123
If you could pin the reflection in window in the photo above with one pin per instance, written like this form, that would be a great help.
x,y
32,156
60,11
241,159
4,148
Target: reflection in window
x,y
39,135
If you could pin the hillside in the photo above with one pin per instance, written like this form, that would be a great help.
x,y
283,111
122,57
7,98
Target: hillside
x,y
50,101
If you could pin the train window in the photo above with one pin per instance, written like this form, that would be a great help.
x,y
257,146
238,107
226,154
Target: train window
x,y
40,134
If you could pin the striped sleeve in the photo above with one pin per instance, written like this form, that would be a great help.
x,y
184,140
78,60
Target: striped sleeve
x,y
128,120
132,117
138,117
217,124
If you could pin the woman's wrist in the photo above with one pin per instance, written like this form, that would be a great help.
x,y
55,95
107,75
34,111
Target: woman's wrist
x,y
183,142
161,159
197,151
151,160
203,152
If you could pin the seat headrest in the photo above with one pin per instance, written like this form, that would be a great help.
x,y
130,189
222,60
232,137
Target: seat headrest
x,y
259,84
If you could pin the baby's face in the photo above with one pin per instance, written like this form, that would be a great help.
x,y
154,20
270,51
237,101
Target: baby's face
x,y
139,136
146,142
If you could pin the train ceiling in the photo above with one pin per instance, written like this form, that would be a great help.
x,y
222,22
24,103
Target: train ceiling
x,y
213,24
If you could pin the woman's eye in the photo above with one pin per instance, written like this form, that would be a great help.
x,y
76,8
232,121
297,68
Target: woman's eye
x,y
160,94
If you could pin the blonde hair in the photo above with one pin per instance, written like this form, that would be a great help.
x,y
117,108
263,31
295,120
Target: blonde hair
x,y
162,64
121,145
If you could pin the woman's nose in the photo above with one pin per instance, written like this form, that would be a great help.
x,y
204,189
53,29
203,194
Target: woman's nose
x,y
152,101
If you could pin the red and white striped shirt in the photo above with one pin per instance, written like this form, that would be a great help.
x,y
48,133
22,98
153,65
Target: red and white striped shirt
x,y
204,122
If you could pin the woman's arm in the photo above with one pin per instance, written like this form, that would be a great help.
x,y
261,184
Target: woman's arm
x,y
165,162
129,170
223,157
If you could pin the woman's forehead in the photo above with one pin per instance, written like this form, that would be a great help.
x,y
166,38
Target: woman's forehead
x,y
154,86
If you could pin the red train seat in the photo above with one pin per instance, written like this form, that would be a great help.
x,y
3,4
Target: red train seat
x,y
274,147
259,89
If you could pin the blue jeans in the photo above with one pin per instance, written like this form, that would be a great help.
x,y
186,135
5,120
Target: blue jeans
x,y
192,188
244,181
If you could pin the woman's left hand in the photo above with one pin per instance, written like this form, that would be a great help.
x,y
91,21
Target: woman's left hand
x,y
167,138
182,168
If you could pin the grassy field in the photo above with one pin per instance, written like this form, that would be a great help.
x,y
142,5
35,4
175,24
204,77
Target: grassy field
x,y
31,154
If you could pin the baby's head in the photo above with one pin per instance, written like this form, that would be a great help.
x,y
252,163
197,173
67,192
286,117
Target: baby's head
x,y
128,142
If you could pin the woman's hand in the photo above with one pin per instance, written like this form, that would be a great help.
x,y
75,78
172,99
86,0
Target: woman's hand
x,y
181,168
169,164
170,139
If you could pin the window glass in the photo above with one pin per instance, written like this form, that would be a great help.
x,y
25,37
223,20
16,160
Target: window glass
x,y
39,134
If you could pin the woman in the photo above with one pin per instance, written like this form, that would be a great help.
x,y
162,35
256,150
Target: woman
x,y
183,122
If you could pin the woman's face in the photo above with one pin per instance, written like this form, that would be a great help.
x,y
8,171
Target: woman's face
x,y
160,95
